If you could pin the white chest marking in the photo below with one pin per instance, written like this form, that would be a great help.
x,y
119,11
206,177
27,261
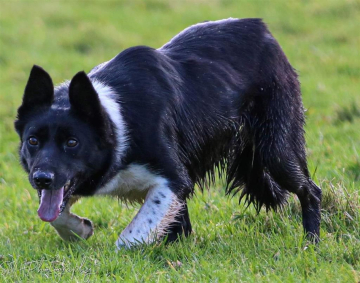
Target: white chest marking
x,y
132,183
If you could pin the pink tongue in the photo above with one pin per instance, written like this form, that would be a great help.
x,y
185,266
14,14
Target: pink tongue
x,y
50,203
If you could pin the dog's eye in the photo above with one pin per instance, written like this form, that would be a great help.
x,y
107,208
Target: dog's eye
x,y
71,143
33,141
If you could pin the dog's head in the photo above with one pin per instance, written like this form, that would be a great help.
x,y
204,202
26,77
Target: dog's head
x,y
66,139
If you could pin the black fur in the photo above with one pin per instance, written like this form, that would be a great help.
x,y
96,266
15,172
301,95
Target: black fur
x,y
219,97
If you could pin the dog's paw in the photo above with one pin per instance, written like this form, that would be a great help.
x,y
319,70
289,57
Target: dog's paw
x,y
74,230
122,243
128,242
88,229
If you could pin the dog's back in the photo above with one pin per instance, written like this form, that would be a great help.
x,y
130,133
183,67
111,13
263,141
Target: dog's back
x,y
231,98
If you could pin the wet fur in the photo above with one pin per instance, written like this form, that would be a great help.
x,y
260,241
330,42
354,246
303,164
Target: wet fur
x,y
219,97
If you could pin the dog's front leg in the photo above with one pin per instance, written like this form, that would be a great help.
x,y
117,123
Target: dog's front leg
x,y
154,218
71,227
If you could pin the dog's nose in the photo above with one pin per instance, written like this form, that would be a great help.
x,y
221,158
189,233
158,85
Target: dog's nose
x,y
43,180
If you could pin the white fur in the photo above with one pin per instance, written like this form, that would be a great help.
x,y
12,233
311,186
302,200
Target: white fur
x,y
107,98
153,219
132,183
70,226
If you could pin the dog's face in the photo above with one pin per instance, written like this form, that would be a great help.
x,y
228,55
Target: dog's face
x,y
64,139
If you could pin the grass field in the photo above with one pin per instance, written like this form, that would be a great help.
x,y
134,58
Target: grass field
x,y
230,243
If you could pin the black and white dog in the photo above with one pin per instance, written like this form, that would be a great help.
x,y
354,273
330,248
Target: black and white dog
x,y
149,124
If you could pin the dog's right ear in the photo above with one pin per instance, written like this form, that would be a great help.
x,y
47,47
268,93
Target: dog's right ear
x,y
39,93
39,90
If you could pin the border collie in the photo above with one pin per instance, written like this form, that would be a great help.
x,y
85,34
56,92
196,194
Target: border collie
x,y
149,124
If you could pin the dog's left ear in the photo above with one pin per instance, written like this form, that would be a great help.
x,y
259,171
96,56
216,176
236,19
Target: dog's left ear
x,y
83,97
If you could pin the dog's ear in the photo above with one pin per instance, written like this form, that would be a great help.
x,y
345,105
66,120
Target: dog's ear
x,y
39,90
39,93
84,99
85,103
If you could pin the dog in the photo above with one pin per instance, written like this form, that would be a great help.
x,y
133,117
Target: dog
x,y
150,124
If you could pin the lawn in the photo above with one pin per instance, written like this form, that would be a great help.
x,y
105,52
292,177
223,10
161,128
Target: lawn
x,y
229,243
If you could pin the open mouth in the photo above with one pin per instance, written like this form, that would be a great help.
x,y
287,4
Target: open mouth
x,y
53,202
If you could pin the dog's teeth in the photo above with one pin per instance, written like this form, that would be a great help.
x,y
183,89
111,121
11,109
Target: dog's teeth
x,y
67,185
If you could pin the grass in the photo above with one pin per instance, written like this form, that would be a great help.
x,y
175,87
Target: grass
x,y
321,40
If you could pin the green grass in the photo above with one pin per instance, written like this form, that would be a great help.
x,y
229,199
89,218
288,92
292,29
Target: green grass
x,y
321,40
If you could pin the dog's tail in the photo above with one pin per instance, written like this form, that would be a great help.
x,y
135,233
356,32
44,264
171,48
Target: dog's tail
x,y
267,157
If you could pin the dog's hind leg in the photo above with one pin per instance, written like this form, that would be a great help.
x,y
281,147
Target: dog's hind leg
x,y
71,227
309,195
274,151
292,175
155,218
267,173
